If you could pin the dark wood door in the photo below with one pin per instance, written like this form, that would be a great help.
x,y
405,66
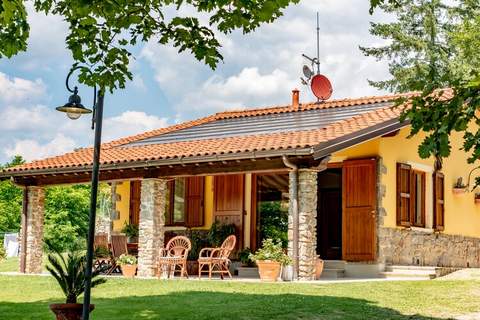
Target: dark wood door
x,y
329,228
229,202
135,190
359,210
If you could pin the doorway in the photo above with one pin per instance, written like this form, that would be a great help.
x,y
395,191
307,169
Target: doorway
x,y
329,214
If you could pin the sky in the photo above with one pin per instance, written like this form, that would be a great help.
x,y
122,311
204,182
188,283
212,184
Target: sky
x,y
259,69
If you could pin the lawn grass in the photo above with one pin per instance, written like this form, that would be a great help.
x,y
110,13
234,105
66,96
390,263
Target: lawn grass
x,y
27,297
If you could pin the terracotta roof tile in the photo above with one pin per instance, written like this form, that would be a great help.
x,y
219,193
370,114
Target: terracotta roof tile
x,y
114,152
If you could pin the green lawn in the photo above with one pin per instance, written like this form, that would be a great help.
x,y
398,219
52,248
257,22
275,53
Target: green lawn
x,y
27,297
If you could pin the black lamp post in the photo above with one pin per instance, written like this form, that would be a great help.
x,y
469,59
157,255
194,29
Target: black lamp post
x,y
74,110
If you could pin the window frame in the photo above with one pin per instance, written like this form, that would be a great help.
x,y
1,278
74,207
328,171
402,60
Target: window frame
x,y
407,219
188,221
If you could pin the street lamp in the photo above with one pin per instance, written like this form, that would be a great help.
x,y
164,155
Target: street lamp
x,y
74,110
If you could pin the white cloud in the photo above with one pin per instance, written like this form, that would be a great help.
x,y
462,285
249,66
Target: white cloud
x,y
274,52
31,149
129,123
16,90
241,90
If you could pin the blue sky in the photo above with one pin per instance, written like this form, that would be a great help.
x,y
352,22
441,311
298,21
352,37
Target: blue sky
x,y
259,69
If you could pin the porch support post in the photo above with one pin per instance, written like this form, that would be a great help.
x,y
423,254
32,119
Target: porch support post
x,y
307,233
32,245
152,223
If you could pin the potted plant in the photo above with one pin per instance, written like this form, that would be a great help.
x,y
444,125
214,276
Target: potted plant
x,y
199,241
69,271
131,231
270,258
128,264
459,187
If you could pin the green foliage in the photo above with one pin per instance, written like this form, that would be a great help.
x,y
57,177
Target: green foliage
x,y
274,222
418,48
102,252
199,240
219,232
11,198
130,230
272,251
103,33
244,257
126,259
69,271
66,216
447,59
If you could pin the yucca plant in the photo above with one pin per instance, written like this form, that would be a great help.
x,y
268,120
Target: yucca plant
x,y
69,271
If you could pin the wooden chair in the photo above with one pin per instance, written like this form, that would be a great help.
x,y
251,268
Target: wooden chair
x,y
174,255
119,247
217,259
101,241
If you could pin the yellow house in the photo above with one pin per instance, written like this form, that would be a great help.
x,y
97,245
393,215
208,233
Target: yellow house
x,y
338,179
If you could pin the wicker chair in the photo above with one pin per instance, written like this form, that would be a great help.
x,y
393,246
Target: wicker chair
x,y
174,255
217,259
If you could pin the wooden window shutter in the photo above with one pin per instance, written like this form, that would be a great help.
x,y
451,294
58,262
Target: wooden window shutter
x,y
404,199
439,201
135,190
194,215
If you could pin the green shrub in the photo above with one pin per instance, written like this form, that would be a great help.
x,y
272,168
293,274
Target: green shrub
x,y
219,232
244,257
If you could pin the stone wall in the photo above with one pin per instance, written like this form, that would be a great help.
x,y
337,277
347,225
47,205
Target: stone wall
x,y
35,218
419,247
307,208
152,222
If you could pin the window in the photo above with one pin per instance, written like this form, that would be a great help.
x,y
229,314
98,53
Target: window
x,y
184,205
438,201
410,196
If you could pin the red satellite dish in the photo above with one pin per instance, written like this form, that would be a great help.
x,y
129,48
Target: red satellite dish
x,y
321,87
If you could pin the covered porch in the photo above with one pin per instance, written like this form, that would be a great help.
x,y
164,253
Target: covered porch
x,y
167,200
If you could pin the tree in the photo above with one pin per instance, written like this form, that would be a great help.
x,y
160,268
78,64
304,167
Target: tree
x,y
102,32
417,50
10,201
445,59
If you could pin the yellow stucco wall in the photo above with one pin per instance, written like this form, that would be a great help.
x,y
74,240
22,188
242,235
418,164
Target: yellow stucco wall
x,y
462,215
122,205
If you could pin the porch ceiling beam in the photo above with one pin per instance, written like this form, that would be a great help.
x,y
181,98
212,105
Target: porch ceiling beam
x,y
181,170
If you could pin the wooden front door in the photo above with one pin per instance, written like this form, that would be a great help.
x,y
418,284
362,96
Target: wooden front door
x,y
135,192
229,202
359,210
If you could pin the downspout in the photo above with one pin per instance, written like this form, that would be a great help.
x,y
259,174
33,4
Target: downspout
x,y
295,217
23,249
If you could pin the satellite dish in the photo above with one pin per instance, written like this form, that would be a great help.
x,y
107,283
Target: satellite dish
x,y
307,72
321,87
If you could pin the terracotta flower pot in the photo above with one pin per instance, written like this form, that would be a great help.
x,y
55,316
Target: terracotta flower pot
x,y
269,270
128,270
318,268
459,190
69,311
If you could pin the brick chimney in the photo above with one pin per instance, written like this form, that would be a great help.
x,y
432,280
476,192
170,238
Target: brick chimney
x,y
295,99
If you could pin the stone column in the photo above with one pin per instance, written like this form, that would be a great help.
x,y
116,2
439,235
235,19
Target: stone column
x,y
35,217
152,222
307,209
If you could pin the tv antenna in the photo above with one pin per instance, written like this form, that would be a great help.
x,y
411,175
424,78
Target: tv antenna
x,y
319,84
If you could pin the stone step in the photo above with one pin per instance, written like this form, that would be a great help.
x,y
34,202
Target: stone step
x,y
334,264
332,273
416,276
410,268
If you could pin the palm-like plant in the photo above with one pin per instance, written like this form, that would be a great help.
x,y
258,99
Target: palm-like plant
x,y
69,271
